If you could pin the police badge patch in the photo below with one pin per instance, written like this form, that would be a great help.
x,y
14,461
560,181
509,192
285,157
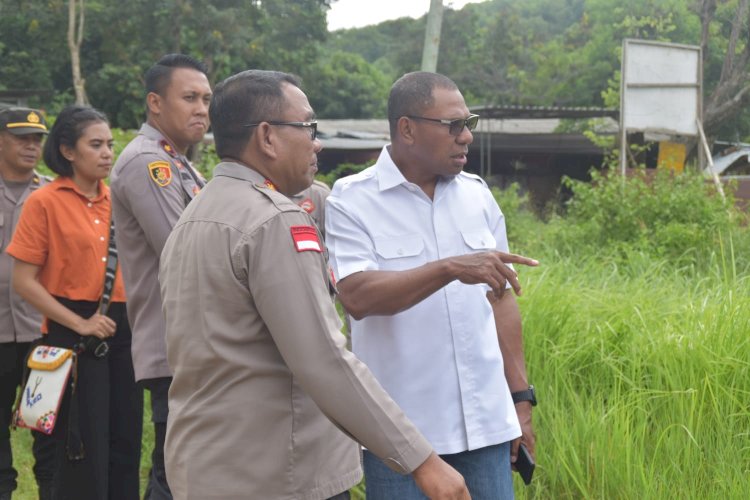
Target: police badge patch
x,y
160,172
307,205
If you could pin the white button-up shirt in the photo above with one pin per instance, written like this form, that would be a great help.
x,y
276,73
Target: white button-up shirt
x,y
440,359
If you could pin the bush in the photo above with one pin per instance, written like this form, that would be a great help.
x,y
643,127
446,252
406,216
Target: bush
x,y
678,217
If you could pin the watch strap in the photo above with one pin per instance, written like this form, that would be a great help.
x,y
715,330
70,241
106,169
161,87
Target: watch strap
x,y
525,395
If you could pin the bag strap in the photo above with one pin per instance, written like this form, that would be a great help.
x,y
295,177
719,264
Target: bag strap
x,y
189,167
110,271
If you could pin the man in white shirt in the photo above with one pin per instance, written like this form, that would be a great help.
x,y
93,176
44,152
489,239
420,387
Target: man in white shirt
x,y
420,251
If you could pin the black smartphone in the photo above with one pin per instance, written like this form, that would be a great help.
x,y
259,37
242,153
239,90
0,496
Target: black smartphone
x,y
525,464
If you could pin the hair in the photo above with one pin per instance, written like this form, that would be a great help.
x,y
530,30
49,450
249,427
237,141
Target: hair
x,y
158,76
249,97
68,128
412,94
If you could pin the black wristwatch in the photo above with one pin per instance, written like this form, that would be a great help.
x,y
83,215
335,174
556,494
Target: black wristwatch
x,y
527,395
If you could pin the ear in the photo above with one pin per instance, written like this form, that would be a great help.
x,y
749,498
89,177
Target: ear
x,y
153,101
404,130
67,152
266,140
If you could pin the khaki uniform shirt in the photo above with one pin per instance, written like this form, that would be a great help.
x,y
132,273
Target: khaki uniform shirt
x,y
258,358
19,321
313,201
151,186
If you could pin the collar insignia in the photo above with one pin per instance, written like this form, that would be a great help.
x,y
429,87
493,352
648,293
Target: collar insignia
x,y
167,147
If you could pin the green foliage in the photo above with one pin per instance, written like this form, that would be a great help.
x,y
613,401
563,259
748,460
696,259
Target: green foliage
x,y
122,39
677,217
540,52
343,170
523,227
346,86
122,138
206,160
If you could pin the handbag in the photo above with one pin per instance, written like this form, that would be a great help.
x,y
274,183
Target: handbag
x,y
49,369
39,402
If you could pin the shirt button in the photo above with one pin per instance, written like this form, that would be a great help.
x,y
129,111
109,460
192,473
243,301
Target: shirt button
x,y
89,204
104,259
101,238
400,251
96,221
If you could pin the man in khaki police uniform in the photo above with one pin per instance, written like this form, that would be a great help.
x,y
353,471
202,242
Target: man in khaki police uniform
x,y
152,183
313,201
21,134
263,386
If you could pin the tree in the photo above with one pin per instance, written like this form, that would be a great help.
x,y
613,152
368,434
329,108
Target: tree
x,y
732,90
346,86
76,16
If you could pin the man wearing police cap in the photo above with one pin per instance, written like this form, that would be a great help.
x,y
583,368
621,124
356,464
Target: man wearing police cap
x,y
152,182
21,134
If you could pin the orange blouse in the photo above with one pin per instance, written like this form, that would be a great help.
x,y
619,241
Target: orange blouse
x,y
67,235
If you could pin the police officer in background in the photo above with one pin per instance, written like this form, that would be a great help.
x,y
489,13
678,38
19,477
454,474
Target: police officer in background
x,y
263,386
152,183
21,134
313,201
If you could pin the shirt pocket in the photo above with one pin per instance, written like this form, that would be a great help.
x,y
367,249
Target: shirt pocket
x,y
400,252
480,240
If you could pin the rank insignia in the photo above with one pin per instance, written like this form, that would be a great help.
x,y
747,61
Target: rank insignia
x,y
307,205
160,172
167,147
306,239
270,185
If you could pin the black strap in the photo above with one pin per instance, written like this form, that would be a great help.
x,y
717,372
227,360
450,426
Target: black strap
x,y
198,181
110,271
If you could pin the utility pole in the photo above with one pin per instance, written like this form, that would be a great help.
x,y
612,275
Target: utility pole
x,y
432,36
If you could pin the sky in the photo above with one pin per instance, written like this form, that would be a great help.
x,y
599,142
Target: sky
x,y
358,13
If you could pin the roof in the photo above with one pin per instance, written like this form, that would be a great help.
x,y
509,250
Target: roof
x,y
563,112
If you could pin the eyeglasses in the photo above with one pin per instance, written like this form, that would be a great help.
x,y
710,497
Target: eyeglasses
x,y
455,127
312,125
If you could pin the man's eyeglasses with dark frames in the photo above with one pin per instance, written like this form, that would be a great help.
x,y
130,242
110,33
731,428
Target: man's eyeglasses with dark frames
x,y
312,125
455,127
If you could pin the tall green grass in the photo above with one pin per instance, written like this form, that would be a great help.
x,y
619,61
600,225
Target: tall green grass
x,y
643,381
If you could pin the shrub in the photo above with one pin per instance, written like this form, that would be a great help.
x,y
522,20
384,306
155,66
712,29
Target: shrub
x,y
678,217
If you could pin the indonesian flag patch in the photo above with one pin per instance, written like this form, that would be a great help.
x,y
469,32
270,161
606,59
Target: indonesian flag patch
x,y
306,239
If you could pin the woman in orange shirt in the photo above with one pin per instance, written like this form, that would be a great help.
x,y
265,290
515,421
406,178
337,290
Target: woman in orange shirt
x,y
60,249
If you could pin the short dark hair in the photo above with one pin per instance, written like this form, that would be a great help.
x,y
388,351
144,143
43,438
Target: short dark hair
x,y
248,97
68,128
158,76
412,94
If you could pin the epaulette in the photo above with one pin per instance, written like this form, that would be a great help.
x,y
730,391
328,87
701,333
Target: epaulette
x,y
320,186
474,177
39,179
364,175
279,200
